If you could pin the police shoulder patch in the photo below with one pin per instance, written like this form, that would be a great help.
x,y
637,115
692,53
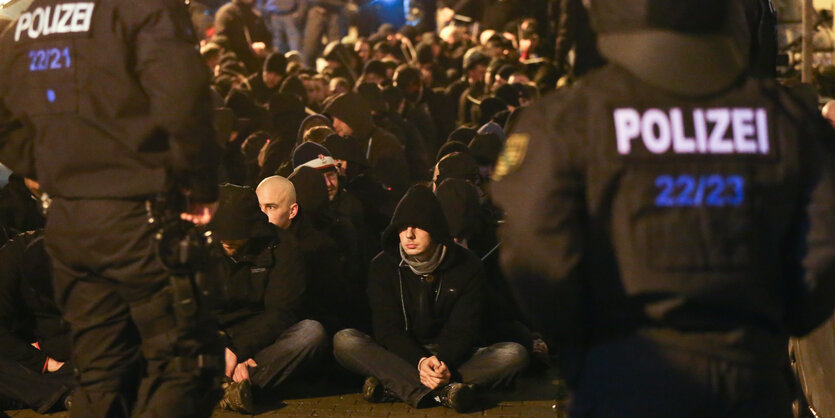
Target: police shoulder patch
x,y
513,155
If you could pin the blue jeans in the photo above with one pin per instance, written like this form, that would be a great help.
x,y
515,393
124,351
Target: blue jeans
x,y
489,367
286,34
299,348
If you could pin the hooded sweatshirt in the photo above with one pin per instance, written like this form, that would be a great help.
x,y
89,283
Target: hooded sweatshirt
x,y
442,308
383,150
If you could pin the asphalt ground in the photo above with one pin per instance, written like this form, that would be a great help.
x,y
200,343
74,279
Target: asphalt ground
x,y
533,395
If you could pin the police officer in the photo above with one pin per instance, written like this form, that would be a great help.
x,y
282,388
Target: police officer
x,y
671,221
106,103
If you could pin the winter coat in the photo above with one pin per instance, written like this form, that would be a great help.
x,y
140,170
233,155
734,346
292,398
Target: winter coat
x,y
28,312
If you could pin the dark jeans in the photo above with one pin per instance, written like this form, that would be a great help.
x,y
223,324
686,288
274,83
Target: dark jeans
x,y
298,349
634,378
116,295
489,367
38,391
320,21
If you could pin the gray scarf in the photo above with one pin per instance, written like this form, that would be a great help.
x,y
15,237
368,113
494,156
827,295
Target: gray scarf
x,y
422,268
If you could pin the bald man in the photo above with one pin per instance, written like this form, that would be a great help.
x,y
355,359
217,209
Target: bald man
x,y
277,198
829,112
328,284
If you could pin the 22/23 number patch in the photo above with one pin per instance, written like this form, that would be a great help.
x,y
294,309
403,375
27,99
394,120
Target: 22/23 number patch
x,y
713,190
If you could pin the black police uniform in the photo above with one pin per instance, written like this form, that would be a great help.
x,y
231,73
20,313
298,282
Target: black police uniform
x,y
670,236
106,103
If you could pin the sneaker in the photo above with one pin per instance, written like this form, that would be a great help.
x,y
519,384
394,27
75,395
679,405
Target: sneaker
x,y
238,397
457,396
373,391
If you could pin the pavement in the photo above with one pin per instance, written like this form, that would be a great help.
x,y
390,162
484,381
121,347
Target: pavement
x,y
531,396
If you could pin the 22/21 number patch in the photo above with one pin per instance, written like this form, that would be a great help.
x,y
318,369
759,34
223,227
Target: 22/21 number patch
x,y
712,190
49,59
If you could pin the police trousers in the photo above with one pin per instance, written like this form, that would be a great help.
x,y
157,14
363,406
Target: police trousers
x,y
132,355
638,378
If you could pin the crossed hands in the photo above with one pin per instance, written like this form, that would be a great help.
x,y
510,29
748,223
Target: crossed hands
x,y
237,371
433,372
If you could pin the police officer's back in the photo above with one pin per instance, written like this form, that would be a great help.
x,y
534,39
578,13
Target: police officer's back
x,y
106,103
670,221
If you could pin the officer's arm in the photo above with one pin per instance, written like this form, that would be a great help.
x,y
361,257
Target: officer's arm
x,y
176,81
812,292
541,188
16,144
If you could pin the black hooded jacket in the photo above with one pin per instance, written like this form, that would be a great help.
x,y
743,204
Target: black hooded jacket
x,y
383,150
394,291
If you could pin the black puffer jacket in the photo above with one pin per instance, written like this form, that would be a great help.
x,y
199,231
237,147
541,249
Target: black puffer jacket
x,y
394,291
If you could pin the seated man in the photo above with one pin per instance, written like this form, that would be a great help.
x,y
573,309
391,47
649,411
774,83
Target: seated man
x,y
427,295
262,279
35,341
331,297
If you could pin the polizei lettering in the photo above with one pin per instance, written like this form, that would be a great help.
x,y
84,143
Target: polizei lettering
x,y
54,20
700,131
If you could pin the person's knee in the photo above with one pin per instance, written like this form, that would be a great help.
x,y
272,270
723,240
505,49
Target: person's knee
x,y
315,337
513,356
346,342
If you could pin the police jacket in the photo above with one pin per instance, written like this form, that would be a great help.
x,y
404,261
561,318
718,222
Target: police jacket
x,y
107,99
262,287
28,313
698,223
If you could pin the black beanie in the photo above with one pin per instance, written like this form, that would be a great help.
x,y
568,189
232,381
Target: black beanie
x,y
375,67
489,107
486,148
310,122
239,215
293,85
462,134
311,190
458,165
508,94
373,96
452,147
312,155
276,63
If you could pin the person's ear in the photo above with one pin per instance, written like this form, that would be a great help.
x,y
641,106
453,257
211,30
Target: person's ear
x,y
294,210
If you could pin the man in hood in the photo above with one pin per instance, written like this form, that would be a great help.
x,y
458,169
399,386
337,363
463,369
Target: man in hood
x,y
263,283
426,295
352,118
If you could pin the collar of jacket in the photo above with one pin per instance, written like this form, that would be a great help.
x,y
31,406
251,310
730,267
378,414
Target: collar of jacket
x,y
258,252
694,66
